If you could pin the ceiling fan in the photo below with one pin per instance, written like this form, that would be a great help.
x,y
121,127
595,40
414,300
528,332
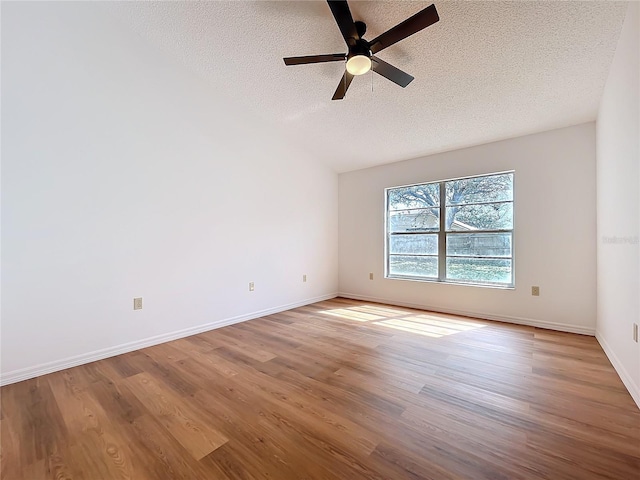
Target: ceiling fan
x,y
360,58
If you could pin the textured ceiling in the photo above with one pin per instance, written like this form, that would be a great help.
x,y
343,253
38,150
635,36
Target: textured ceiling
x,y
486,71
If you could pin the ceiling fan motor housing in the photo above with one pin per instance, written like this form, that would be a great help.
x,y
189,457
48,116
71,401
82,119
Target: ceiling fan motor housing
x,y
361,47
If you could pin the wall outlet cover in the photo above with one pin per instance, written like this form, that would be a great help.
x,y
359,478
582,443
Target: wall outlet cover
x,y
137,303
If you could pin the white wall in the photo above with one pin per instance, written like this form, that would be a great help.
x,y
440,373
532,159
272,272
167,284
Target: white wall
x,y
123,175
618,137
555,229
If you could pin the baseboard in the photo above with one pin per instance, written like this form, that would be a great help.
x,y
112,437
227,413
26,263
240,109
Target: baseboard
x,y
561,327
55,366
634,390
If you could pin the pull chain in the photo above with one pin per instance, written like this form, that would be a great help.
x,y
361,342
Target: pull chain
x,y
371,80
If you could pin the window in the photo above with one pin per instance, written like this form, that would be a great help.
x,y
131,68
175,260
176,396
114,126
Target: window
x,y
457,231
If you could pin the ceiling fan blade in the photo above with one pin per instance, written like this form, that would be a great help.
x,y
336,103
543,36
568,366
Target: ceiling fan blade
x,y
411,25
333,57
394,74
343,17
341,91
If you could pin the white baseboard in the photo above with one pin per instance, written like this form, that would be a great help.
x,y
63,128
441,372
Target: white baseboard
x,y
562,327
57,365
634,390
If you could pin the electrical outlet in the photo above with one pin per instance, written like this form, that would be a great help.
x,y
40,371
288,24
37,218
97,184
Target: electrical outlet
x,y
304,278
635,332
251,287
371,276
535,291
137,303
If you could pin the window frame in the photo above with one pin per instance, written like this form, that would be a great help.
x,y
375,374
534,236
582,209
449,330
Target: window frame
x,y
442,235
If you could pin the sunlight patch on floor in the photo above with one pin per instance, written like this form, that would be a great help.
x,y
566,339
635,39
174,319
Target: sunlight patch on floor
x,y
351,314
446,322
385,312
418,326
386,323
430,325
426,327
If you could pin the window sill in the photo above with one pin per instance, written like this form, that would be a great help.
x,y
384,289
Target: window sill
x,y
452,282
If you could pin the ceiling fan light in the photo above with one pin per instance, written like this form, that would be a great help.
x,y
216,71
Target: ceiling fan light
x,y
358,65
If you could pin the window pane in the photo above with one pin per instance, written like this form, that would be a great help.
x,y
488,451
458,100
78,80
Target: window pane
x,y
479,270
420,244
414,220
413,266
492,188
494,216
417,196
479,244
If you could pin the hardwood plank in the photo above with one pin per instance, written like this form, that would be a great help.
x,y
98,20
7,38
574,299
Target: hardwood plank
x,y
162,456
117,400
89,432
39,423
213,361
10,464
400,463
164,371
259,348
177,416
165,352
270,398
334,390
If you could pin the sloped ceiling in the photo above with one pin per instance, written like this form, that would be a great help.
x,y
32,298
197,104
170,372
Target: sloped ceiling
x,y
486,71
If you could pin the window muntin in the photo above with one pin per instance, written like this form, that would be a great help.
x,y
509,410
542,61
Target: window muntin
x,y
457,230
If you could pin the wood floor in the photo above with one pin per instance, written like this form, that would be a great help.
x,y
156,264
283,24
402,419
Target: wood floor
x,y
336,390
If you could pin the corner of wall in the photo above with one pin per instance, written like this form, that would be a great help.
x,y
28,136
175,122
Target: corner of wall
x,y
634,390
